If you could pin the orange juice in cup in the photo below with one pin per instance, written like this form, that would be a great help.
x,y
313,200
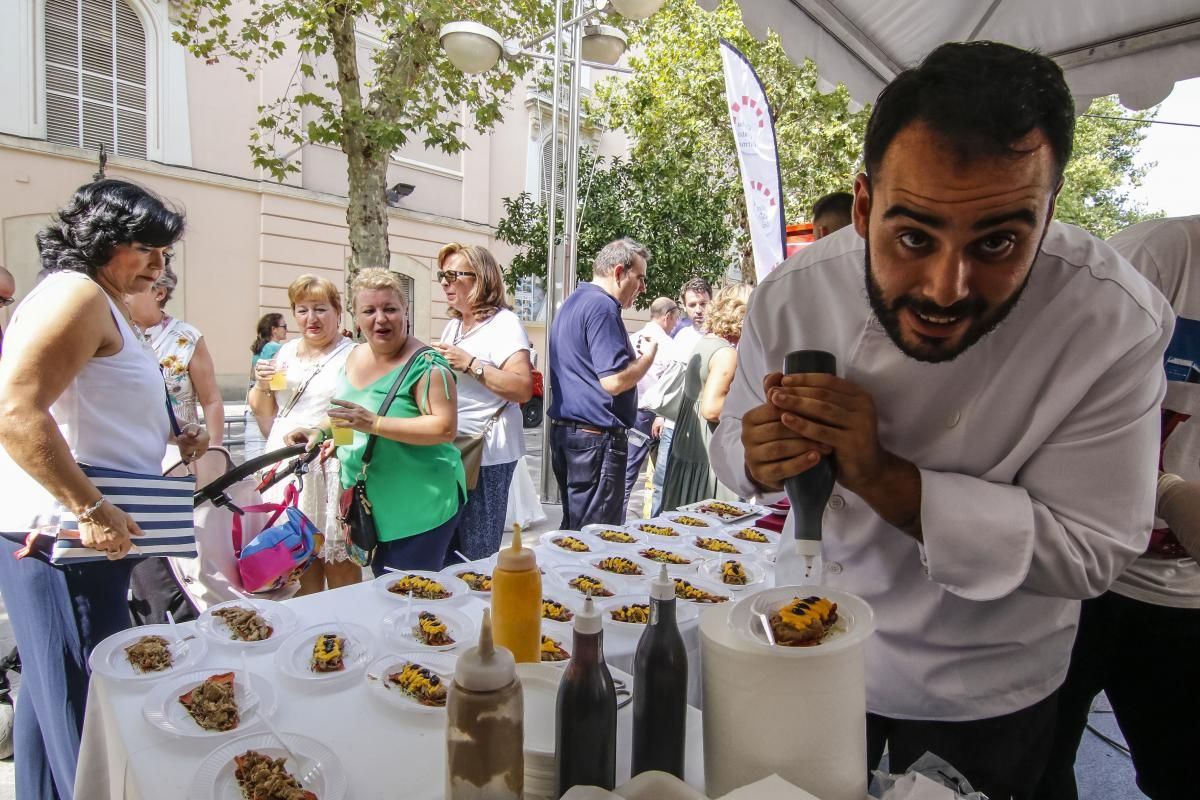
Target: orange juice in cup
x,y
279,378
342,436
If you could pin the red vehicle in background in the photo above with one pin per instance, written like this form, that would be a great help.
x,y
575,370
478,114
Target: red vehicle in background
x,y
531,411
798,237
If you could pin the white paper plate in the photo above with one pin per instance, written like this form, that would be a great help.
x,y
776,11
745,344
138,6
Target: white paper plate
x,y
694,559
281,618
457,589
461,628
560,553
483,566
711,524
598,531
756,572
379,686
539,686
743,548
294,656
162,709
678,531
731,532
215,779
855,619
746,510
684,612
717,589
617,584
108,658
646,568
561,632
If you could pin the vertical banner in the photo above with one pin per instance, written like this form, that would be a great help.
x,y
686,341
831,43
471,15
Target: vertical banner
x,y
754,134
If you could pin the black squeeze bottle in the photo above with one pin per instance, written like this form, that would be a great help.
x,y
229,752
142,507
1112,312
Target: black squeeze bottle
x,y
660,677
586,718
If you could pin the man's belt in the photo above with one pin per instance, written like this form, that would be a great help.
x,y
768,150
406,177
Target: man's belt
x,y
572,425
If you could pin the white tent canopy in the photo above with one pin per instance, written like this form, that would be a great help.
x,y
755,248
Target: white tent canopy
x,y
1137,49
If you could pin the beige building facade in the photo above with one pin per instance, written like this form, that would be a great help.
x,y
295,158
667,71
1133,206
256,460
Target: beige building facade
x,y
78,73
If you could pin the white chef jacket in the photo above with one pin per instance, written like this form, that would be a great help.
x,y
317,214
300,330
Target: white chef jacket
x,y
1167,252
1036,448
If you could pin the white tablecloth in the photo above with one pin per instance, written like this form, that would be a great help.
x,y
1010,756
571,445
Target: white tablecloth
x,y
387,753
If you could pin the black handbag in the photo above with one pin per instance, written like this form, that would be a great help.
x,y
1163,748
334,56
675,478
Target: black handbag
x,y
354,508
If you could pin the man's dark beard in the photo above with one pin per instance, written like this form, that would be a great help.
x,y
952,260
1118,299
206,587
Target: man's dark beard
x,y
983,319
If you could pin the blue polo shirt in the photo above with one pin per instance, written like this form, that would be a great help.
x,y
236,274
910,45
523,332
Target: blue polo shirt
x,y
588,341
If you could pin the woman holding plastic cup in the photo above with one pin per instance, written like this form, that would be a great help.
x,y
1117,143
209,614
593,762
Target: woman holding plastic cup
x,y
294,389
415,480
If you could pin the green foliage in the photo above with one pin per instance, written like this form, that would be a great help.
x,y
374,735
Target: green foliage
x,y
1101,173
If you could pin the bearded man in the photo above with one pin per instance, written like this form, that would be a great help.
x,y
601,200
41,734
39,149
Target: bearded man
x,y
994,420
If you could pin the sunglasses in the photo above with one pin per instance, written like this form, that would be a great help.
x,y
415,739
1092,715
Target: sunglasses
x,y
451,275
7,301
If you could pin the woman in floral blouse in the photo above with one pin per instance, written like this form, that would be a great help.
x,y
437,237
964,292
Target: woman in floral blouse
x,y
186,363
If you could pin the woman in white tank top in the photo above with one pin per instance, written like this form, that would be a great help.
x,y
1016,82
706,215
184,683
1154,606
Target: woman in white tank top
x,y
77,383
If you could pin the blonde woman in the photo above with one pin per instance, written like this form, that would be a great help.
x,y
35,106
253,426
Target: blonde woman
x,y
485,343
710,372
311,365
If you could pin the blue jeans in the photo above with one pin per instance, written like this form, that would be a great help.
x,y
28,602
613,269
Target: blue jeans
x,y
59,615
660,467
638,452
590,468
420,551
481,525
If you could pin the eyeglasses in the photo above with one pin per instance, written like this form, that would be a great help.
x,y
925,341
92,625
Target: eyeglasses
x,y
451,275
284,326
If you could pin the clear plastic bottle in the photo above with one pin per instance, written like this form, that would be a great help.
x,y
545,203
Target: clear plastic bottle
x,y
586,718
660,678
485,733
517,601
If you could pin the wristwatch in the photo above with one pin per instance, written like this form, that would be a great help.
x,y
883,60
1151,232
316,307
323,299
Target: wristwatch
x,y
477,371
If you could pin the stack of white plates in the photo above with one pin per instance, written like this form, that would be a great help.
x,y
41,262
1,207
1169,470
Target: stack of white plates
x,y
539,684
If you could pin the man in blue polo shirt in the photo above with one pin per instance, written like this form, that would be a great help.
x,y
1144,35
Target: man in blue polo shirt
x,y
593,376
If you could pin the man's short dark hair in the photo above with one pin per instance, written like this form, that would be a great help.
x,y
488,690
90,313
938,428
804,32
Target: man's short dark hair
x,y
982,97
696,285
835,203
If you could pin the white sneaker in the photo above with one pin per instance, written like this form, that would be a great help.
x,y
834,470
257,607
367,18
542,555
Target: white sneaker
x,y
6,730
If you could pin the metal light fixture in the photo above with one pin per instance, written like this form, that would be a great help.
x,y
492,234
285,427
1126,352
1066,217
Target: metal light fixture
x,y
470,46
603,44
636,9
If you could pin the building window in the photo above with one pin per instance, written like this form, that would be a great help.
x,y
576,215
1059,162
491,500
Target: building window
x,y
547,157
529,299
96,76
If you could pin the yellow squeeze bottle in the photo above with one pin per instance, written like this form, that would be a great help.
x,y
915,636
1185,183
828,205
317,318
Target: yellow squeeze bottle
x,y
517,601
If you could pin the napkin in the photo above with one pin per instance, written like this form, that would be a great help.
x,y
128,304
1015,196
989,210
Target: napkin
x,y
772,787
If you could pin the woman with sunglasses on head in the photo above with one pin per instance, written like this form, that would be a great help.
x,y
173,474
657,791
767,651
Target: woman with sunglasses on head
x,y
485,343
78,386
272,332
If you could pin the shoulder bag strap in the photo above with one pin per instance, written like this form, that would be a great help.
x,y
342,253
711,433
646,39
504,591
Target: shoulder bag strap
x,y
292,403
387,403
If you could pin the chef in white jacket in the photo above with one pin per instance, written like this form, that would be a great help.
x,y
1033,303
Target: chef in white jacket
x,y
994,419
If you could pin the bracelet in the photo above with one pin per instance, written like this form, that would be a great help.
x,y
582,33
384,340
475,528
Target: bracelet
x,y
86,514
375,424
469,363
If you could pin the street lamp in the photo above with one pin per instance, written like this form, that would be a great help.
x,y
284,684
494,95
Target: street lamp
x,y
474,48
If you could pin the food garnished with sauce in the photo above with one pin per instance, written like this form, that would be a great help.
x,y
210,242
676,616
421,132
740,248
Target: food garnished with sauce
x,y
150,654
618,537
431,631
803,622
572,544
420,587
664,556
328,652
658,530
212,704
261,777
689,591
716,545
621,566
693,522
478,581
636,613
552,650
751,535
734,573
722,510
552,609
245,624
586,585
420,683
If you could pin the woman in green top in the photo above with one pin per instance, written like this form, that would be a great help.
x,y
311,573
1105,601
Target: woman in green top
x,y
415,480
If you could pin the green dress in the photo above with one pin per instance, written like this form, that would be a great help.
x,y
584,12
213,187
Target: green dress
x,y
412,488
690,477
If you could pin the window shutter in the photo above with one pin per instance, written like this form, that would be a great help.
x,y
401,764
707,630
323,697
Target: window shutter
x,y
96,76
547,157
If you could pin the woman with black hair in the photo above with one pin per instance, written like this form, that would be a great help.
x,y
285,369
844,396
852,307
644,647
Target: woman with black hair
x,y
272,333
78,385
